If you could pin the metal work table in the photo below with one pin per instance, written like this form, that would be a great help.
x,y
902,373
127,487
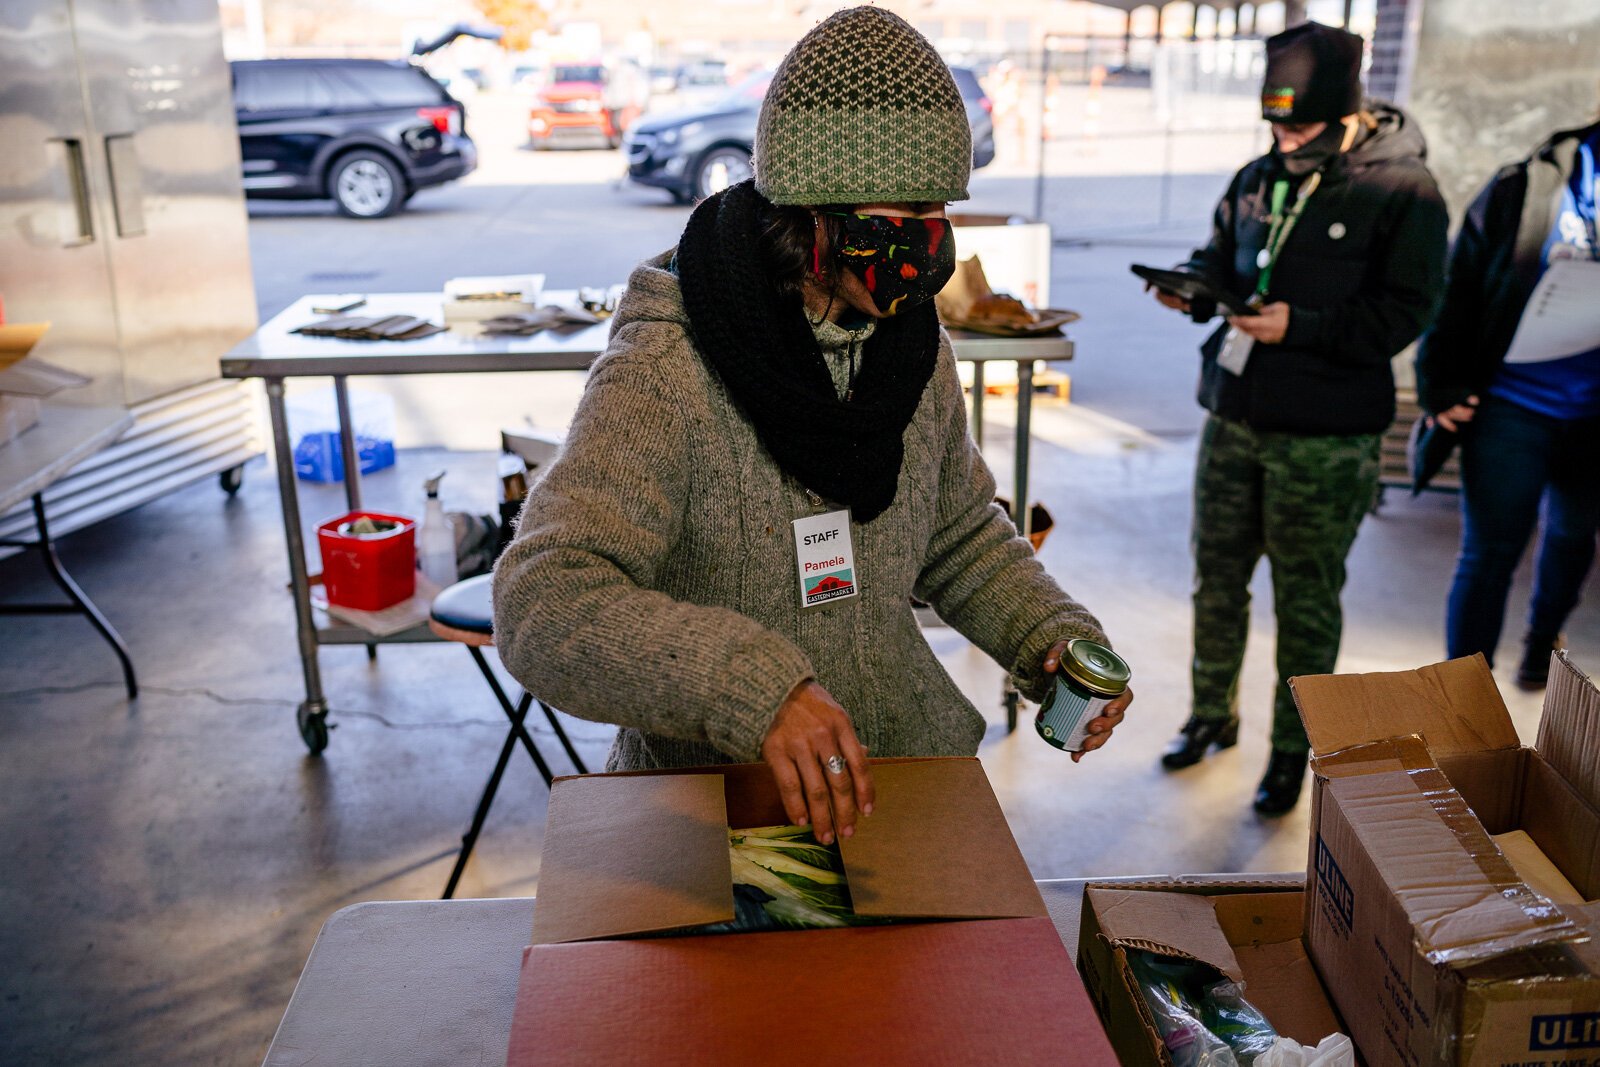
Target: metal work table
x,y
274,353
64,437
433,982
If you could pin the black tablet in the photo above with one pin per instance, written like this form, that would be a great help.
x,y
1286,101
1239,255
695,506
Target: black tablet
x,y
1191,286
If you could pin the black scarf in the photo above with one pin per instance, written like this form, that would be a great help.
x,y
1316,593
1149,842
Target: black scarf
x,y
762,347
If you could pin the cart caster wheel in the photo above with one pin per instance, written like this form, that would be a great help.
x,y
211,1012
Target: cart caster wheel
x,y
231,479
1012,700
313,722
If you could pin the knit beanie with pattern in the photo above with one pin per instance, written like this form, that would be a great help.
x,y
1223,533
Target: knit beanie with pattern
x,y
863,111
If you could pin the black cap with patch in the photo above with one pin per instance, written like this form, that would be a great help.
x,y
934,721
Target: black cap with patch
x,y
1313,75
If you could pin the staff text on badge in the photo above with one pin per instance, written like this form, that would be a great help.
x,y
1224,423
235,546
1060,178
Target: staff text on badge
x,y
825,558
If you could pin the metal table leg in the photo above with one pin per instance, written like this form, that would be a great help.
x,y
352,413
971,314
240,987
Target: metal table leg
x,y
1021,512
977,403
351,457
312,715
80,602
347,443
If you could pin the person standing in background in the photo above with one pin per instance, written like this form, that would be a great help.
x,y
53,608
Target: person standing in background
x,y
1337,237
1530,431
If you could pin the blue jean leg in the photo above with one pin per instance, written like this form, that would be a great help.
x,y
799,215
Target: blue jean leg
x,y
1505,467
1571,519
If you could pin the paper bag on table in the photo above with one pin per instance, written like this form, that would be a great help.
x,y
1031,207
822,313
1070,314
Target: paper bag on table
x,y
967,300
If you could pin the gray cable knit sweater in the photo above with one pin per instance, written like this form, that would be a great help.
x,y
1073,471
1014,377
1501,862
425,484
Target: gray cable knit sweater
x,y
652,581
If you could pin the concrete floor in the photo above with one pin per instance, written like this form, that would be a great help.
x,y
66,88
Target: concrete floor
x,y
170,861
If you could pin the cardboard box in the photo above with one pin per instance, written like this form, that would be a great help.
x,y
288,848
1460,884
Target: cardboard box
x,y
635,854
1249,931
1435,951
1015,253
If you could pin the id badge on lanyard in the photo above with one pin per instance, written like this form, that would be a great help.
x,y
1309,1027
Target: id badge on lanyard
x,y
1237,345
825,557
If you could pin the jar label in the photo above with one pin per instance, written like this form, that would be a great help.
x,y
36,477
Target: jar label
x,y
1064,719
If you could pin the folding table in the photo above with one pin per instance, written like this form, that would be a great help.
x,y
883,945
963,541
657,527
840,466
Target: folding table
x,y
64,437
431,983
275,353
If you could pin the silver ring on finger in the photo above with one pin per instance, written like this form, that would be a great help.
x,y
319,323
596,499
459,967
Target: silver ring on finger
x,y
835,764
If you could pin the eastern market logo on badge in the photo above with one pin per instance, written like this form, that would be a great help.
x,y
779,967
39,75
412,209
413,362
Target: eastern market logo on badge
x,y
1278,103
830,587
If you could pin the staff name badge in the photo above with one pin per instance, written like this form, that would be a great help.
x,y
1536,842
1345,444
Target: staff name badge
x,y
825,557
1235,351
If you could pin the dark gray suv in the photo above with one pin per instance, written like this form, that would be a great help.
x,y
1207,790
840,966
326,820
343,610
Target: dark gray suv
x,y
365,133
692,154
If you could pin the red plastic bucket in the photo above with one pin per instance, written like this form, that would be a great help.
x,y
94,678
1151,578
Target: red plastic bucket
x,y
368,572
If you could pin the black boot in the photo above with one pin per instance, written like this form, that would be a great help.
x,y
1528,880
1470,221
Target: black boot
x,y
1279,790
1197,735
1534,673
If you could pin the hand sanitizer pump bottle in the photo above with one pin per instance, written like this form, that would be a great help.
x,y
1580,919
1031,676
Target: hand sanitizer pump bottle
x,y
436,540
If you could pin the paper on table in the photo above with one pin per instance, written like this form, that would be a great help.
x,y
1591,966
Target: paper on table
x,y
1563,314
390,620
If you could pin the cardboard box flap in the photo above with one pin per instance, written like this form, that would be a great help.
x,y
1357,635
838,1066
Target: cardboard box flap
x,y
1463,900
1454,706
632,856
937,846
1183,922
1569,730
1265,931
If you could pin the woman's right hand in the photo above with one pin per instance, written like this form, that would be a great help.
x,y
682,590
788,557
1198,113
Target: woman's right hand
x,y
1171,300
1454,418
809,729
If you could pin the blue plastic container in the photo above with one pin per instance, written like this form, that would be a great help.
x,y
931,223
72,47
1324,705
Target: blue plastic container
x,y
317,457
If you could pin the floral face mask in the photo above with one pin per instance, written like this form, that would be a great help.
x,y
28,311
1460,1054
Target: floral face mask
x,y
902,261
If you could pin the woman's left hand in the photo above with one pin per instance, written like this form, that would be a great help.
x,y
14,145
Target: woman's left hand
x,y
1109,719
1269,327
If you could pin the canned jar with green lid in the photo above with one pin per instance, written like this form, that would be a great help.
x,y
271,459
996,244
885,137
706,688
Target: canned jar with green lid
x,y
1089,677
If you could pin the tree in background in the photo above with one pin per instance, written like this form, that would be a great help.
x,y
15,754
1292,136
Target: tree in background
x,y
520,19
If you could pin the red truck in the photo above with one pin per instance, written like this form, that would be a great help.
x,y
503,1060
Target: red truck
x,y
580,105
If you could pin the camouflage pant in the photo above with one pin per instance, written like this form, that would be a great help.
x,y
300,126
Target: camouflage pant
x,y
1298,501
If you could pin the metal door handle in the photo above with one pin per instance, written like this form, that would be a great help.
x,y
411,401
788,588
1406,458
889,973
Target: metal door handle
x,y
127,183
79,229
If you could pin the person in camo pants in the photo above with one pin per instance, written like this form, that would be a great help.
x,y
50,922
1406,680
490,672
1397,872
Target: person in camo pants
x,y
1297,500
1337,238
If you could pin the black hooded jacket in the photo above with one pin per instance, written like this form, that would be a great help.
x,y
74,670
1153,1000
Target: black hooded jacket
x,y
1494,267
1362,272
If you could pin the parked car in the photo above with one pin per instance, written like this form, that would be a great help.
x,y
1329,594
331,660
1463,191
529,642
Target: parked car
x,y
693,154
585,104
980,114
365,133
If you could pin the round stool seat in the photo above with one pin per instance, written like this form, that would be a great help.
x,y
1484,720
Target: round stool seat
x,y
468,605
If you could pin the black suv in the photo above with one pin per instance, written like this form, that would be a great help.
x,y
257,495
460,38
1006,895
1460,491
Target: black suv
x,y
692,154
365,132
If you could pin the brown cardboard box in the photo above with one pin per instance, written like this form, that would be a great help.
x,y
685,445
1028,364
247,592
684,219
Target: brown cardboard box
x,y
1433,948
631,854
1250,931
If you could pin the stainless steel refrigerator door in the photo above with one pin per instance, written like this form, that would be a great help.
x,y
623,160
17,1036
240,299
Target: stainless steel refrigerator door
x,y
167,148
53,232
